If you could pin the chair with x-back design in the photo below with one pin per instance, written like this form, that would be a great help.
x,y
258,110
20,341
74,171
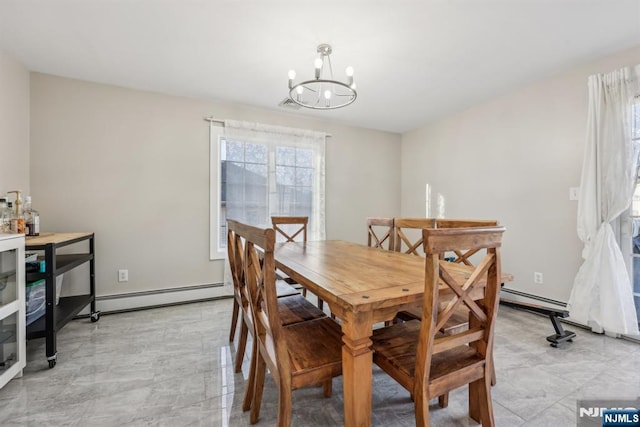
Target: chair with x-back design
x,y
426,362
380,233
459,320
408,237
294,308
462,256
298,355
292,229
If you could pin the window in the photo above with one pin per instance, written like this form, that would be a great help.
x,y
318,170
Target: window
x,y
257,173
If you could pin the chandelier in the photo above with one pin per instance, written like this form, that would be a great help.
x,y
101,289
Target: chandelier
x,y
323,92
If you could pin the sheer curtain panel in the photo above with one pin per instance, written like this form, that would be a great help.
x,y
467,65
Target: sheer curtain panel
x,y
602,295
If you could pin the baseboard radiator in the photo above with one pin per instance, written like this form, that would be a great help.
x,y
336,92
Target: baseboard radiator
x,y
530,298
119,303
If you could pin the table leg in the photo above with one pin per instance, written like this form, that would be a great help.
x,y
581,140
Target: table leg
x,y
357,365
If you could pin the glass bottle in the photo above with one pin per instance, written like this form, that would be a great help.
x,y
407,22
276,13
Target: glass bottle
x,y
31,218
17,219
10,218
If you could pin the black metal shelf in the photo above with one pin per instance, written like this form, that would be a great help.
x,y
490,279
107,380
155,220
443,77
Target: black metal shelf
x,y
58,315
66,310
64,263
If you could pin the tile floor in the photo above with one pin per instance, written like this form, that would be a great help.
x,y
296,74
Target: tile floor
x,y
173,367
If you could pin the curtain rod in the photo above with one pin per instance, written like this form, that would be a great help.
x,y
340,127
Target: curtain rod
x,y
214,120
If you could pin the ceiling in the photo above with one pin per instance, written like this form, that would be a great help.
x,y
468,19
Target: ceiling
x,y
414,61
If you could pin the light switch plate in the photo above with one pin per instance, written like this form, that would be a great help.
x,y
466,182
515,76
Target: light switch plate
x,y
573,193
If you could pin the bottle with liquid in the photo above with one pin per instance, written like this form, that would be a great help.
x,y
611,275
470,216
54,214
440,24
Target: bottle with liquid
x,y
17,220
32,218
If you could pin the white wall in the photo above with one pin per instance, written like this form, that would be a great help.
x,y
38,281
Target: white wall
x,y
133,167
514,159
14,126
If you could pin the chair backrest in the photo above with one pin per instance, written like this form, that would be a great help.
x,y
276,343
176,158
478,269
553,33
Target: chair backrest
x,y
291,227
458,223
408,238
477,291
235,256
259,276
379,231
462,256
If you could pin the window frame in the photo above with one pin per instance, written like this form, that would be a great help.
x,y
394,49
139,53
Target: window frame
x,y
215,188
317,188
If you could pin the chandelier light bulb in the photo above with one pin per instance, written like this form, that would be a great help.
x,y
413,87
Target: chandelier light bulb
x,y
318,64
327,94
348,72
292,75
299,90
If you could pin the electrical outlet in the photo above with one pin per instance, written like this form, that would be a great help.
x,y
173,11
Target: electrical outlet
x,y
123,275
537,278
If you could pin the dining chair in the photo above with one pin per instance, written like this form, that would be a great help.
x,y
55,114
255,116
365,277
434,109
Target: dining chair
x,y
461,255
429,364
298,355
408,238
379,231
293,308
459,320
282,287
292,229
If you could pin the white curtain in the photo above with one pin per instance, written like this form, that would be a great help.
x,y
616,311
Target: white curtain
x,y
602,296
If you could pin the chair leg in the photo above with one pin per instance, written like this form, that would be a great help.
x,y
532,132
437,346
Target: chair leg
x,y
421,408
328,388
251,383
284,406
493,374
242,344
258,389
320,304
480,406
234,319
443,400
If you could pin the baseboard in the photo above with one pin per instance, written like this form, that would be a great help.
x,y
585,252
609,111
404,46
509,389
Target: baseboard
x,y
159,298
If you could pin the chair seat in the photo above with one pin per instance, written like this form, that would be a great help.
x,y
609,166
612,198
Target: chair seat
x,y
296,308
314,346
397,345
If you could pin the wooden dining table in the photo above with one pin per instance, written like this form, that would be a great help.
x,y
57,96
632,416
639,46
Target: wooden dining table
x,y
362,286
